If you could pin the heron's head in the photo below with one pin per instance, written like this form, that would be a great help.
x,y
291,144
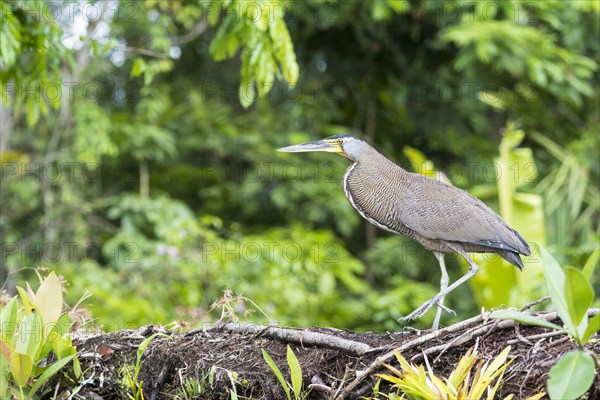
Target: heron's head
x,y
345,145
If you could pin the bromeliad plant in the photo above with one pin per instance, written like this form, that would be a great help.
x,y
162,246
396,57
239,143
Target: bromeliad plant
x,y
416,383
31,326
571,294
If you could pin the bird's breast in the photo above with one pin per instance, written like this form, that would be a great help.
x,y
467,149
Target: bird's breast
x,y
369,194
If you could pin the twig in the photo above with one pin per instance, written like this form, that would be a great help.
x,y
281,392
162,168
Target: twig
x,y
422,339
534,303
460,339
196,31
520,337
145,52
538,336
320,387
300,336
82,383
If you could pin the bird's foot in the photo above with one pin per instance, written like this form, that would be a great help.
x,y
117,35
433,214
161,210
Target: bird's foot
x,y
417,313
423,308
410,329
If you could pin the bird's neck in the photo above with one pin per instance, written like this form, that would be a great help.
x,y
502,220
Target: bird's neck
x,y
376,161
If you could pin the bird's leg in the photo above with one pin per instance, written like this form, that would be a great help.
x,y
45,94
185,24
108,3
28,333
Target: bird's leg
x,y
444,281
423,308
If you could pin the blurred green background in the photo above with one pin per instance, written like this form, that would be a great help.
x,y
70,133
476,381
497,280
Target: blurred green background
x,y
138,137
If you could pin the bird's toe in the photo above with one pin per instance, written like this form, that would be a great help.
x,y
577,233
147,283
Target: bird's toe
x,y
447,309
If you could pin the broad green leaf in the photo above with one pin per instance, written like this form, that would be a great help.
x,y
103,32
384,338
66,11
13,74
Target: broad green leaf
x,y
524,318
5,351
277,372
578,294
20,367
555,279
58,344
63,324
29,338
56,334
8,318
593,327
295,372
48,373
571,376
49,300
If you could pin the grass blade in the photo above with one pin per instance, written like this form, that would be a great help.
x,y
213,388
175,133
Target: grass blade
x,y
277,372
295,372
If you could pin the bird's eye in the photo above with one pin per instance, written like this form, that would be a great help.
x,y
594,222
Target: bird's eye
x,y
340,141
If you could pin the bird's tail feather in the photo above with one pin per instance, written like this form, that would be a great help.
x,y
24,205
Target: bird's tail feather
x,y
512,257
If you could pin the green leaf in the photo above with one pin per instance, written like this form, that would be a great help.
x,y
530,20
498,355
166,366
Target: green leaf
x,y
593,327
525,319
76,367
63,324
555,279
21,366
58,344
60,328
145,344
512,138
139,66
29,338
277,372
8,318
578,294
28,304
49,300
32,111
3,383
591,264
5,351
571,376
140,352
48,373
295,371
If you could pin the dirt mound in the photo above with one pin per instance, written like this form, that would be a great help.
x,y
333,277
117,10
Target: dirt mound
x,y
338,364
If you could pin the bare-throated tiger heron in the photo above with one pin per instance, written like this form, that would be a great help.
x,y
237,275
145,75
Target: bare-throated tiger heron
x,y
441,217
